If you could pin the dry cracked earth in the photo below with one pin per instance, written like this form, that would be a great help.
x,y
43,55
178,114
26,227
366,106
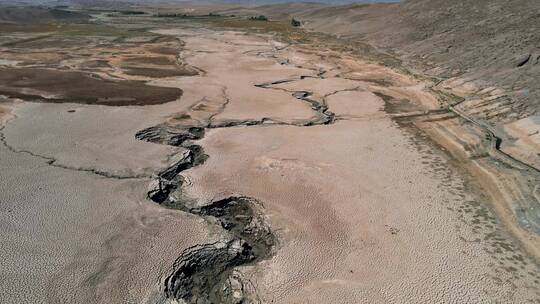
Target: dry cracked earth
x,y
278,174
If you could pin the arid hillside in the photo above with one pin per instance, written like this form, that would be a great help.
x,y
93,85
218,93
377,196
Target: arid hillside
x,y
486,51
490,42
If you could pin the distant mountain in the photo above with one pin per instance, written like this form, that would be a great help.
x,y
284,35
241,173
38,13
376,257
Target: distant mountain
x,y
262,2
35,14
241,2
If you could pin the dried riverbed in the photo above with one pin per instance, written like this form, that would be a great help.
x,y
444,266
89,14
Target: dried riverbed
x,y
278,177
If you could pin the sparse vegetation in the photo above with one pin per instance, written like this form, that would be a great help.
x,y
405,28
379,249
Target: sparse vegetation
x,y
295,22
132,13
259,18
171,15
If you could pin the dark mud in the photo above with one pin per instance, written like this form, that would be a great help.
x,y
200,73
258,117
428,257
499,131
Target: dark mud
x,y
206,273
162,60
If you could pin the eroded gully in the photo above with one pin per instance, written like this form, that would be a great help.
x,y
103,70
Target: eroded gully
x,y
208,273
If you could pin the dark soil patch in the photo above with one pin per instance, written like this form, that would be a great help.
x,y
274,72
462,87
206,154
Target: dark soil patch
x,y
393,105
91,64
150,60
159,73
165,50
53,41
207,273
79,87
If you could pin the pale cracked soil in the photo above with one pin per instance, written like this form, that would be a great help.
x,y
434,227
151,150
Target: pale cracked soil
x,y
364,211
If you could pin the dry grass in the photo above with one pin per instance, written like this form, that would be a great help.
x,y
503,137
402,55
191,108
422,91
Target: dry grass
x,y
72,29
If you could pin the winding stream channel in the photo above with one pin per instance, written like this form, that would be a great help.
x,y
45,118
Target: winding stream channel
x,y
207,273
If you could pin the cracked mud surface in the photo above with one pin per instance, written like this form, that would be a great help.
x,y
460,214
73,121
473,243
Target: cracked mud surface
x,y
277,178
206,273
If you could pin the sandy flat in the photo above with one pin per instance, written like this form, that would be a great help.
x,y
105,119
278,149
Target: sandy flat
x,y
70,235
